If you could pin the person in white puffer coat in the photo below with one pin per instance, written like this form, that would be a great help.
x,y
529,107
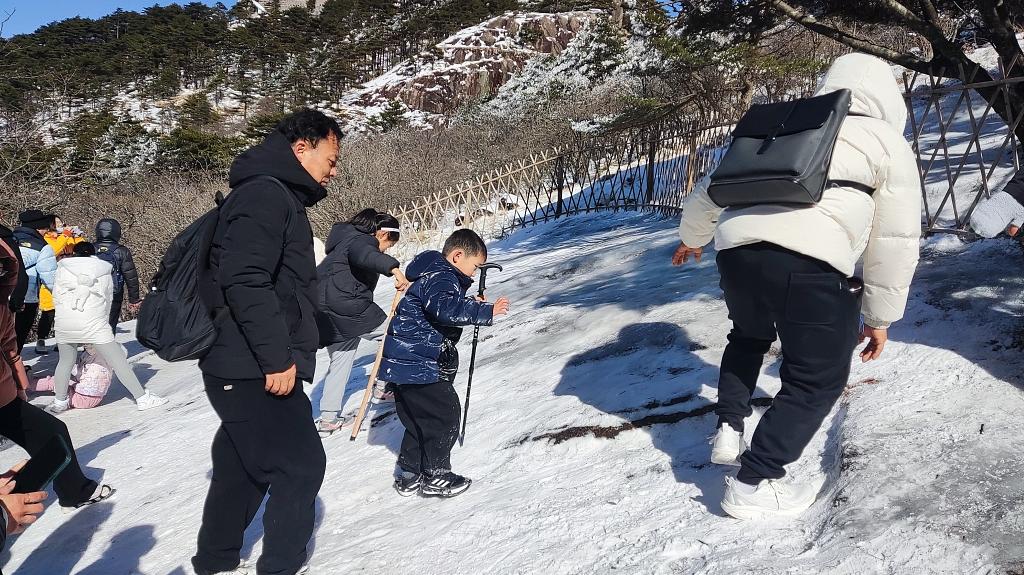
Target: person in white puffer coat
x,y
786,272
82,297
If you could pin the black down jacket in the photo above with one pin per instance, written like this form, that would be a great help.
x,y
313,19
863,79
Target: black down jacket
x,y
126,276
347,278
420,346
262,260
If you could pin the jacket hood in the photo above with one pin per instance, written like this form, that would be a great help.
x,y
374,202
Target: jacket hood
x,y
874,89
274,157
88,270
343,234
108,229
432,262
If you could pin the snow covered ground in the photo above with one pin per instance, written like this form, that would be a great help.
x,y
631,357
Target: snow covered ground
x,y
588,437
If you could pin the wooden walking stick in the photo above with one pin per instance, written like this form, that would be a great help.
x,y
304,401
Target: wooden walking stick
x,y
373,372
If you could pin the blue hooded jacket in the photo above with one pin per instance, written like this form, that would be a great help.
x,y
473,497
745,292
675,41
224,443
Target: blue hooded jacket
x,y
40,262
420,346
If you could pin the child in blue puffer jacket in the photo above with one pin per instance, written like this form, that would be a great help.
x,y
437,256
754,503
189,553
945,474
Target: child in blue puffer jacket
x,y
421,360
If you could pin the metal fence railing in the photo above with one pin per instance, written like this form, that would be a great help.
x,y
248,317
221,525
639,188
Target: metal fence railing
x,y
964,135
965,150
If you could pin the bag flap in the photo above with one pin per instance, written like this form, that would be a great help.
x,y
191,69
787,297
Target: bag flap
x,y
784,118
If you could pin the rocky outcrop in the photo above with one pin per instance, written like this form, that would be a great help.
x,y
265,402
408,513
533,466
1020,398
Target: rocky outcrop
x,y
474,63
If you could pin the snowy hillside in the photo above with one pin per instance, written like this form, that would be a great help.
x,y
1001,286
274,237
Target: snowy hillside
x,y
588,437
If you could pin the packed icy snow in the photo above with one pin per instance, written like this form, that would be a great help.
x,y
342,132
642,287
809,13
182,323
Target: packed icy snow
x,y
588,436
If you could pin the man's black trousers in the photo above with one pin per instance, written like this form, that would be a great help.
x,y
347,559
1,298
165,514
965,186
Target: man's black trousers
x,y
23,321
31,428
265,442
430,414
116,305
807,304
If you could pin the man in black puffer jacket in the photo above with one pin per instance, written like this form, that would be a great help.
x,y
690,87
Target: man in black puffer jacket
x,y
261,260
126,277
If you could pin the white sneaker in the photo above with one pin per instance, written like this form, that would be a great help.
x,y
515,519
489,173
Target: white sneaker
x,y
727,446
771,498
59,406
149,401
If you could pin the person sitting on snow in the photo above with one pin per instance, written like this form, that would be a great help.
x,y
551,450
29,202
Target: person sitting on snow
x,y
93,376
1003,212
421,361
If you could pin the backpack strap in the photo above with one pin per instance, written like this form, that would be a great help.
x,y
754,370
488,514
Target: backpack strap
x,y
869,190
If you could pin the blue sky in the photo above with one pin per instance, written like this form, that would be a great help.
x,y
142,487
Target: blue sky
x,y
31,14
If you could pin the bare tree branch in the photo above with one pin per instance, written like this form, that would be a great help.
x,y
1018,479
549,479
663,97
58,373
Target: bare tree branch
x,y
854,41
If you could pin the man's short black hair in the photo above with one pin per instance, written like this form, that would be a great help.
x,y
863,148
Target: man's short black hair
x,y
467,241
309,125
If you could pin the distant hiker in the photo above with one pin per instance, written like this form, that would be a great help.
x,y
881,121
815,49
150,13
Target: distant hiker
x,y
263,263
83,295
126,277
347,277
62,239
16,300
1003,212
785,271
420,358
25,424
40,265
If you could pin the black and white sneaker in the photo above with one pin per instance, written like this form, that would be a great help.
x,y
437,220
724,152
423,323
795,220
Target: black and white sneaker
x,y
408,484
445,484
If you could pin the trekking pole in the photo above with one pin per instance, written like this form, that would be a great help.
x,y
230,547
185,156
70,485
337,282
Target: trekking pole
x,y
472,358
373,372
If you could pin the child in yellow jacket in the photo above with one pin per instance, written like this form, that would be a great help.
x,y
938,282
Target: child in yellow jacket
x,y
62,240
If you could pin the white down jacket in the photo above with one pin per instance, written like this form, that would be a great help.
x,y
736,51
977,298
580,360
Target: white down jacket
x,y
884,227
82,299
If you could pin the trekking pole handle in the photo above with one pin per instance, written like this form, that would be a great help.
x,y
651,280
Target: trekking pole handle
x,y
483,275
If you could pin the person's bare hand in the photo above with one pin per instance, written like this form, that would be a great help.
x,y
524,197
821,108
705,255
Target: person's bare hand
x,y
501,306
876,343
401,282
134,307
22,508
683,253
7,478
281,383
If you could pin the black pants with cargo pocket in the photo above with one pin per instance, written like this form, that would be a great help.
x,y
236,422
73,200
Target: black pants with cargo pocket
x,y
265,442
774,292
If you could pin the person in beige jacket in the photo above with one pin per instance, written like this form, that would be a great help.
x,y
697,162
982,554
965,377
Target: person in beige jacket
x,y
786,272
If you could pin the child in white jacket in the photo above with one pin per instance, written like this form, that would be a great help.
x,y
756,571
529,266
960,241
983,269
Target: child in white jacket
x,y
82,297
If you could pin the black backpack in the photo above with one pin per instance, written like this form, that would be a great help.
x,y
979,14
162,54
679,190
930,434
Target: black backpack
x,y
174,321
781,153
181,315
110,256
